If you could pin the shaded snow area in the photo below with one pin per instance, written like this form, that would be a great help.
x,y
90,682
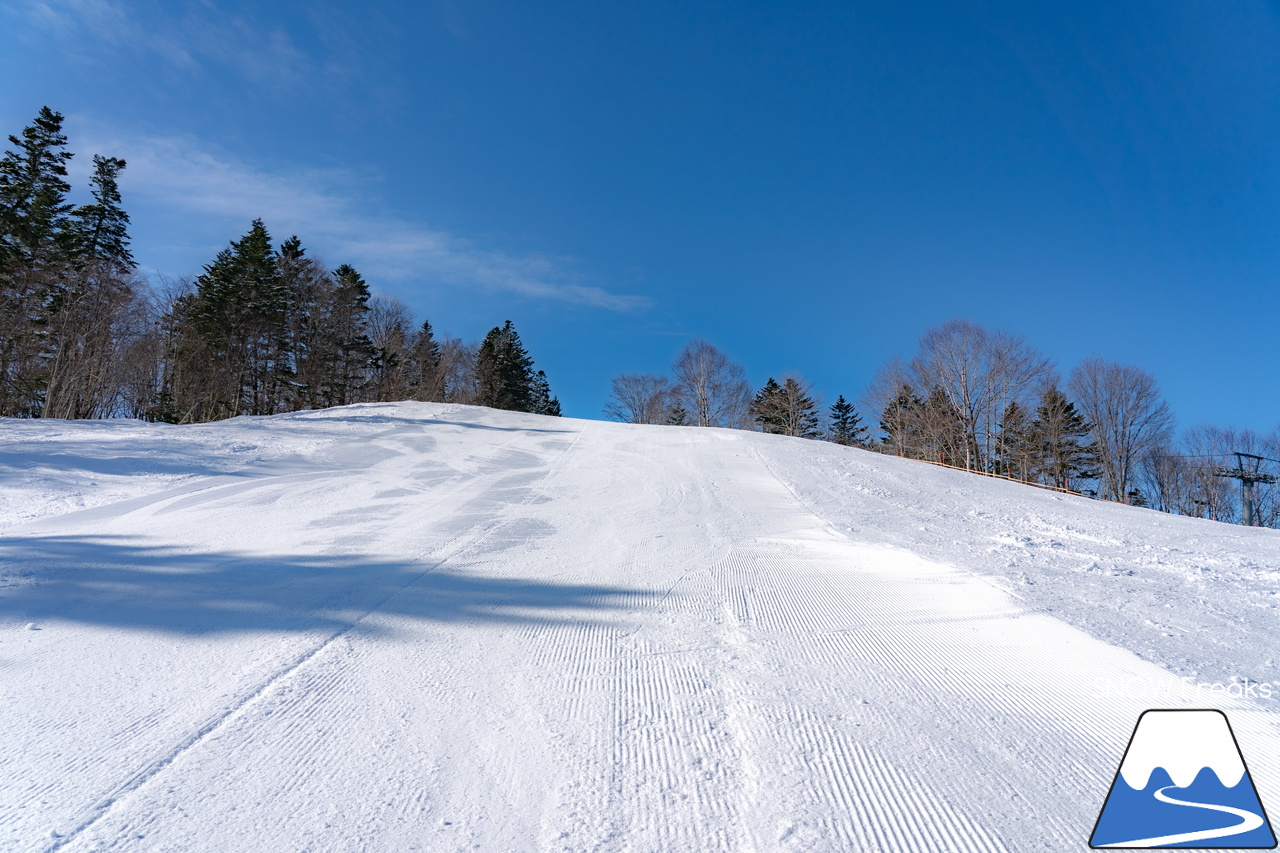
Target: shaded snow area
x,y
428,627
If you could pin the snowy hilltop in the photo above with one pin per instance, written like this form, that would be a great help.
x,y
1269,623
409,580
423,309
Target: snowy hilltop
x,y
440,627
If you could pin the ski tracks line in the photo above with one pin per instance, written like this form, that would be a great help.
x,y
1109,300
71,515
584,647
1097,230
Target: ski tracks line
x,y
228,715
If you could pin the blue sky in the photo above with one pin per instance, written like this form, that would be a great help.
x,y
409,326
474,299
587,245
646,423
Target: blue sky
x,y
810,186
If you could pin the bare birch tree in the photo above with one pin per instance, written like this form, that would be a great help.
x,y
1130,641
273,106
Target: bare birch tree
x,y
1129,420
1208,448
892,400
885,387
390,330
1167,480
711,387
639,398
90,331
458,366
980,373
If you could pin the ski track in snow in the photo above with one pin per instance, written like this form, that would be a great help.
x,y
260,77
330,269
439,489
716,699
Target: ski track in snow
x,y
424,627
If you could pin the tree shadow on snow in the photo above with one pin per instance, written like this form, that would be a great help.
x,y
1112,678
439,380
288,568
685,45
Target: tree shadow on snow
x,y
68,457
410,421
116,582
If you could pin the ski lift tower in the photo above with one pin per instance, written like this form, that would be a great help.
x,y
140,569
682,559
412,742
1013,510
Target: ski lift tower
x,y
1248,471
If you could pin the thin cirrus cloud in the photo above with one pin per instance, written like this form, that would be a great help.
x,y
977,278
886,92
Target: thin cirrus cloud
x,y
326,209
186,37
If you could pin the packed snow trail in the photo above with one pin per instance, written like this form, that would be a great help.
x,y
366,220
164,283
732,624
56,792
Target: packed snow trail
x,y
423,627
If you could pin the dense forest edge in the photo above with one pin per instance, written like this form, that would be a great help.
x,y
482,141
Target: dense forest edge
x,y
262,330
266,329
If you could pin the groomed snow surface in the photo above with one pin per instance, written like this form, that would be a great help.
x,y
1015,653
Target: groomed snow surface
x,y
430,627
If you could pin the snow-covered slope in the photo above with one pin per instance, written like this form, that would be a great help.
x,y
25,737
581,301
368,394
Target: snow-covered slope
x,y
427,627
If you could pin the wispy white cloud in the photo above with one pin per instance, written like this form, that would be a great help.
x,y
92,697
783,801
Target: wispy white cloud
x,y
328,209
187,37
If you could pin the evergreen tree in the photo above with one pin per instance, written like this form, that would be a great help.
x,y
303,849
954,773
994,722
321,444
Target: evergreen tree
x,y
89,308
541,400
210,344
900,422
238,312
679,416
163,410
308,288
352,350
766,408
1016,447
102,228
504,369
941,433
33,190
846,425
786,409
800,409
1058,435
428,381
34,250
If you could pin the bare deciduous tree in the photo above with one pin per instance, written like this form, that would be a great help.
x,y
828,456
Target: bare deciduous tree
x,y
390,327
886,385
980,372
639,398
965,379
711,387
1208,448
1167,480
90,331
1129,420
458,366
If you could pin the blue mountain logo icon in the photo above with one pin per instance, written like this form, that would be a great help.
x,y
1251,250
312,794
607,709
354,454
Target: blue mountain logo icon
x,y
1183,783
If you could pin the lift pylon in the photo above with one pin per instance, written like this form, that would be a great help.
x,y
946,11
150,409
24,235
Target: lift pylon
x,y
1248,471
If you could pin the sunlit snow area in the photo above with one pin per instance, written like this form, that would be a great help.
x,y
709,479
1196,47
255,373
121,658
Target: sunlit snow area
x,y
440,627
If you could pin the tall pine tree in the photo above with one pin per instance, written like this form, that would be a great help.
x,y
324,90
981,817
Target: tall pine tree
x,y
766,409
351,350
102,228
35,248
846,426
542,402
428,380
786,409
33,190
1059,435
88,311
1016,447
308,287
238,315
505,370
